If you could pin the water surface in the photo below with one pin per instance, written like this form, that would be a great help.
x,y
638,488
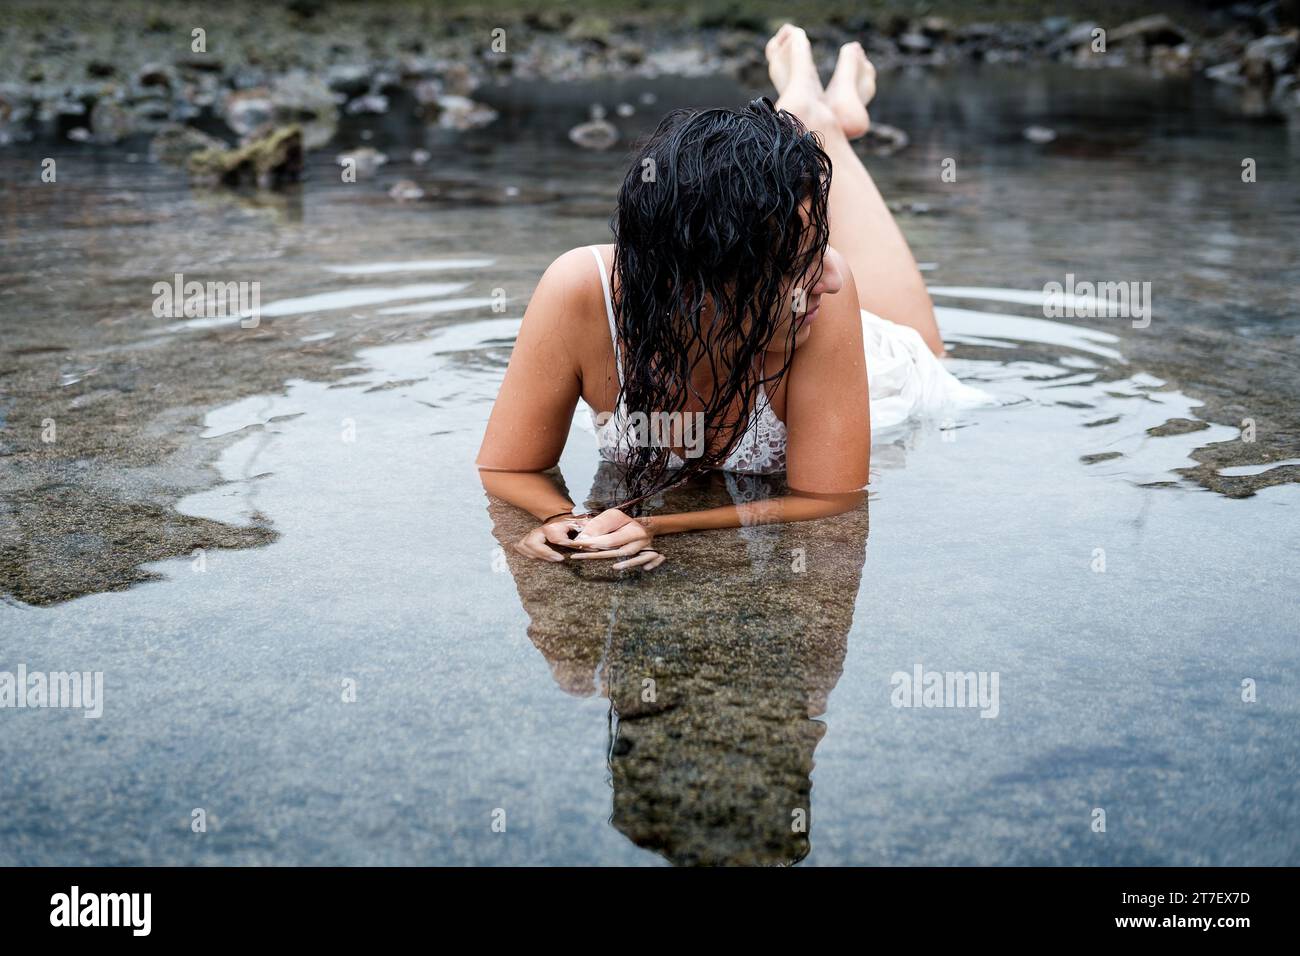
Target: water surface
x,y
322,464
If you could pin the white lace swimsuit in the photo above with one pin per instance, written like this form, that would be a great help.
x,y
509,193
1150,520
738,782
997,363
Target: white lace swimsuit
x,y
760,451
907,381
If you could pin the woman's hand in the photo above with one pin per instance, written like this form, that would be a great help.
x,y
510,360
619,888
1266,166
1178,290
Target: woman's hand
x,y
613,534
535,544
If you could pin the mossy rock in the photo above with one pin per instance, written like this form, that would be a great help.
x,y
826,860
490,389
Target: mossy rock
x,y
268,162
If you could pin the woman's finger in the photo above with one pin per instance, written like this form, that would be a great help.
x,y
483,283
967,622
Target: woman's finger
x,y
632,547
649,560
532,546
606,522
628,533
557,532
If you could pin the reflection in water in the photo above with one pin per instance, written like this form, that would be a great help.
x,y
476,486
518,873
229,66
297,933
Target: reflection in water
x,y
716,665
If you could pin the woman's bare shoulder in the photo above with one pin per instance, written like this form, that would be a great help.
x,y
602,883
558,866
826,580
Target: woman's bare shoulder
x,y
569,292
574,273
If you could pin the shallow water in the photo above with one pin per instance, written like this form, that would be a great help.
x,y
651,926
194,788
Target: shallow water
x,y
1065,540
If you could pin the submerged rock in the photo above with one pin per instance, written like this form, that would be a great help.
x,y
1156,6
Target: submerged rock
x,y
597,133
406,191
460,112
885,140
268,162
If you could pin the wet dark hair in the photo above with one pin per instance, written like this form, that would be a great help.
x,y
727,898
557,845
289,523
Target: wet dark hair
x,y
710,213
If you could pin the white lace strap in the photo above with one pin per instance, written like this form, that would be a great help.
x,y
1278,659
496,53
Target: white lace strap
x,y
609,313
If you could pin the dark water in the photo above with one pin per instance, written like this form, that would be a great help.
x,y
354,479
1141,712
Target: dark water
x,y
1087,542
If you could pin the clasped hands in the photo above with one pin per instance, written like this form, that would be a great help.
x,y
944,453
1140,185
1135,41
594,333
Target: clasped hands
x,y
608,535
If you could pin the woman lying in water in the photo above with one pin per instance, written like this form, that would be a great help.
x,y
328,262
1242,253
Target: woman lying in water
x,y
732,325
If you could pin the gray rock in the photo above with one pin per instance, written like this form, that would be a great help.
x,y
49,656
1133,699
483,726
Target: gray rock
x,y
406,191
174,144
460,112
914,42
351,80
299,96
111,122
1155,30
375,104
1229,73
598,134
885,140
247,110
1172,60
155,78
1278,51
591,29
1078,35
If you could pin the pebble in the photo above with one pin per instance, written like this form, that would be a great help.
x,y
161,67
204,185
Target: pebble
x,y
406,191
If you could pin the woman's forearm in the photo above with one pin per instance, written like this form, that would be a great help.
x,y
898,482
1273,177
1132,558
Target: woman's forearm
x,y
799,506
538,494
533,491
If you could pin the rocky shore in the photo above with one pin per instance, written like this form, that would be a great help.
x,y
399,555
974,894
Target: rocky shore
x,y
189,80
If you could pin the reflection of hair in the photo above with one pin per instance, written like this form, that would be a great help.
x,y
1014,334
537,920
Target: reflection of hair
x,y
710,213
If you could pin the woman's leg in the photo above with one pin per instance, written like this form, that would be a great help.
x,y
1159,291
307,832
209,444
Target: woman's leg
x,y
862,228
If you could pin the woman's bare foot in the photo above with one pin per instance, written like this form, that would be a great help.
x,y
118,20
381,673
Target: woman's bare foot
x,y
777,52
794,74
851,88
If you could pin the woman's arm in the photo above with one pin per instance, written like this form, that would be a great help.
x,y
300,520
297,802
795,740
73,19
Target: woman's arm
x,y
828,406
532,491
798,506
534,410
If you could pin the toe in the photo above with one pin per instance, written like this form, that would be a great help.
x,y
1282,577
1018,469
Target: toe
x,y
778,41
